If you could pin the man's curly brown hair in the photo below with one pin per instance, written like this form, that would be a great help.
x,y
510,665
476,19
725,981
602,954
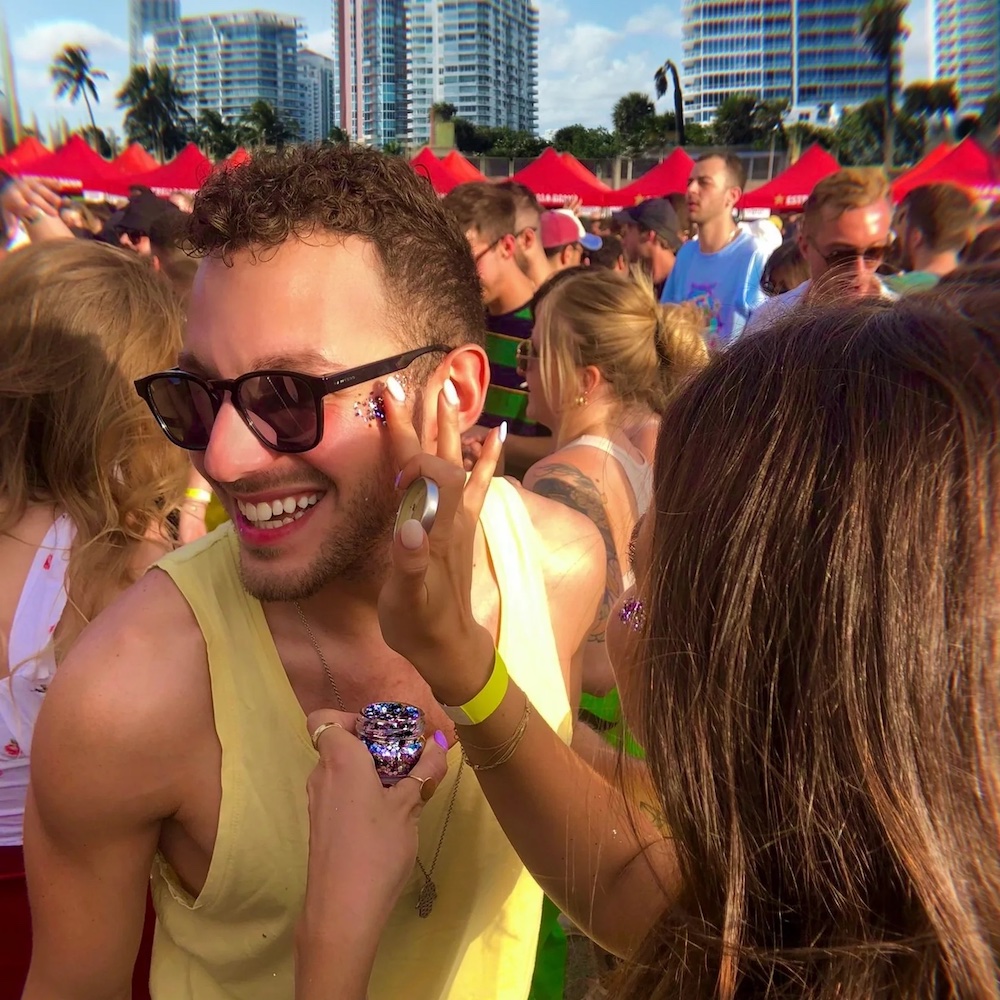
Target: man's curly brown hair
x,y
430,279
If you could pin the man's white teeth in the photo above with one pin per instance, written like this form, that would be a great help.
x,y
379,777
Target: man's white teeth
x,y
269,515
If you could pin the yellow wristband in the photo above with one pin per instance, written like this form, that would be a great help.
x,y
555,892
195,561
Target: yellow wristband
x,y
480,707
199,496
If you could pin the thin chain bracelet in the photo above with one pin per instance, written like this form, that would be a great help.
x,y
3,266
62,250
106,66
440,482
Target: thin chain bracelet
x,y
506,750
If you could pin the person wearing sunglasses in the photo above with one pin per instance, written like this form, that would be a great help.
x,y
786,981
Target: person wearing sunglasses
x,y
176,738
844,237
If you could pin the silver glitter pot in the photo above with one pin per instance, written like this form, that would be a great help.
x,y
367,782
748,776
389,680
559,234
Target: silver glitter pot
x,y
394,735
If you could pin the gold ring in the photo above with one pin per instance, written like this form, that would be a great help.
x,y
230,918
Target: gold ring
x,y
320,730
425,792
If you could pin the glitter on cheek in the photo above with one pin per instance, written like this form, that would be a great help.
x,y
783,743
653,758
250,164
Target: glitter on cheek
x,y
633,615
371,409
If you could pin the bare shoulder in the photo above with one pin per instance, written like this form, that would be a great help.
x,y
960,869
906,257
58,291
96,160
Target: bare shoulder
x,y
132,691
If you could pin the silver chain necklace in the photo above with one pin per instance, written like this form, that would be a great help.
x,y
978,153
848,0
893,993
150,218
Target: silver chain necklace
x,y
428,891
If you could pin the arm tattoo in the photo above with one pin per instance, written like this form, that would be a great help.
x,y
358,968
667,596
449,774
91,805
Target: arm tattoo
x,y
567,485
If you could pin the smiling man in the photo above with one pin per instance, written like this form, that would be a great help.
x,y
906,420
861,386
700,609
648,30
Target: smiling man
x,y
173,739
844,237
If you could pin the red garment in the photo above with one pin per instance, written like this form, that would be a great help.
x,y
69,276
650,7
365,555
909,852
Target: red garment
x,y
15,941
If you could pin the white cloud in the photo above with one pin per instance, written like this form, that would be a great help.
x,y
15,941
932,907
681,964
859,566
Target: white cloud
x,y
40,43
321,42
584,67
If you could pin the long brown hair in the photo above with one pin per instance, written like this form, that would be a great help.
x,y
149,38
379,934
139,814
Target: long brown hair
x,y
818,681
79,322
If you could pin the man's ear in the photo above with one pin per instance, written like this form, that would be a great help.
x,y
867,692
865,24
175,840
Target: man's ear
x,y
468,367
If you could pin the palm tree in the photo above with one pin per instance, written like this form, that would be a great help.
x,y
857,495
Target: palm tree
x,y
215,136
634,118
263,125
155,117
74,77
660,81
882,28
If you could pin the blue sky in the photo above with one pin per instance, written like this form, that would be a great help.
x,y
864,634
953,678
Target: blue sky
x,y
590,51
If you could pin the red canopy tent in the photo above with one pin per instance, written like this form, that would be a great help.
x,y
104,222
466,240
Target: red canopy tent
x,y
554,182
27,151
135,160
236,158
669,177
791,188
968,165
458,166
583,173
932,159
428,165
186,172
76,167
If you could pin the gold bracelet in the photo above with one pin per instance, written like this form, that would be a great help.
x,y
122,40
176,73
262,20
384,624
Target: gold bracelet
x,y
504,751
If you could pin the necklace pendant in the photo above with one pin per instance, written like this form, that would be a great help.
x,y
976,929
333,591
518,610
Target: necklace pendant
x,y
426,899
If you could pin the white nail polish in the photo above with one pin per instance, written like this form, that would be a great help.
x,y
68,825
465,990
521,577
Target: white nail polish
x,y
450,392
395,389
503,432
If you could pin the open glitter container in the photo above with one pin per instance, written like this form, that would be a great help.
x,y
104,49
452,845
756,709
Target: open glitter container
x,y
394,735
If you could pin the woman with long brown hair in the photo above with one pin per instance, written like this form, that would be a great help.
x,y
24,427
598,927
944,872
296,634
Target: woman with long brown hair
x,y
87,483
810,660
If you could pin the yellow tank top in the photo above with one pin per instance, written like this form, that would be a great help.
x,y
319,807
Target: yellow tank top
x,y
234,942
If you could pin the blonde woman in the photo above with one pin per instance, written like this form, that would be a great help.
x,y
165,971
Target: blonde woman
x,y
602,362
87,482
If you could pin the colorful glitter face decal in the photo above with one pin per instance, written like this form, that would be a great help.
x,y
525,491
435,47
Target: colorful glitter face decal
x,y
633,615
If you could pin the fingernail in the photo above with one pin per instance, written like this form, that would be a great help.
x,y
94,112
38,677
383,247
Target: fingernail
x,y
441,740
411,534
503,432
450,392
395,389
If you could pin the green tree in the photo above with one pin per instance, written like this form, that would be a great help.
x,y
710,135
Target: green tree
x,y
733,125
858,136
394,148
883,31
586,143
263,125
337,134
697,134
634,117
98,141
215,135
74,77
155,115
443,111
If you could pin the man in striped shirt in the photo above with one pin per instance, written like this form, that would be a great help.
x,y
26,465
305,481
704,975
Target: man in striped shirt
x,y
487,215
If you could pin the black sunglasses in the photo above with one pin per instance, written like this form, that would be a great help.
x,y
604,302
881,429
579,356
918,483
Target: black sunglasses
x,y
523,353
844,258
283,409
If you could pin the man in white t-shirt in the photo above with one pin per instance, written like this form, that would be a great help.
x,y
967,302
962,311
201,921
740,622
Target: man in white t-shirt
x,y
844,237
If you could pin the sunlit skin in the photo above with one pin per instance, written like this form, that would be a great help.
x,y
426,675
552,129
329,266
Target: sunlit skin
x,y
505,286
630,242
538,405
709,192
856,229
315,307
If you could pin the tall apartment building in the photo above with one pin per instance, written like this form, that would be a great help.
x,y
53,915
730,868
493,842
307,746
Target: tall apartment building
x,y
10,109
228,61
809,52
967,49
318,76
479,55
144,18
369,50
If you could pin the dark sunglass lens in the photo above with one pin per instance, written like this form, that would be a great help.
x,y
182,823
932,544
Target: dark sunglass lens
x,y
185,410
282,409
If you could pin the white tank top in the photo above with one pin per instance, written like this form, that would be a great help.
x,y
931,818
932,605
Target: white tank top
x,y
638,474
32,663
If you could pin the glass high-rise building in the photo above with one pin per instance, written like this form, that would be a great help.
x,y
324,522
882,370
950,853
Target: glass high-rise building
x,y
144,18
967,49
480,56
318,76
809,52
369,49
228,61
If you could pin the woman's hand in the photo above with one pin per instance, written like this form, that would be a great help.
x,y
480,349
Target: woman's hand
x,y
362,850
425,607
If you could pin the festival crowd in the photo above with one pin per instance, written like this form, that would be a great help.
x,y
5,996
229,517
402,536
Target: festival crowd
x,y
677,529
